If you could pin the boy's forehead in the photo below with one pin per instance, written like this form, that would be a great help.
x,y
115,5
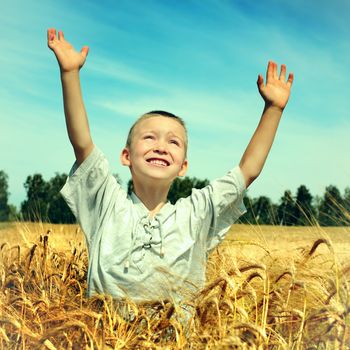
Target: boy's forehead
x,y
160,123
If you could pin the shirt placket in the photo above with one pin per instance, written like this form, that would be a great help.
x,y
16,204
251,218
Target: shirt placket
x,y
146,239
148,235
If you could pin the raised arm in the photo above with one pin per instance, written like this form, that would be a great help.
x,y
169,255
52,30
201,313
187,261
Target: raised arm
x,y
70,62
275,94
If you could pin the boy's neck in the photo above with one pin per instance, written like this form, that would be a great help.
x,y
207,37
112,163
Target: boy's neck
x,y
153,197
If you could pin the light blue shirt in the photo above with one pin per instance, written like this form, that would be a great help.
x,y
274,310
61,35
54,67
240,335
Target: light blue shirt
x,y
134,256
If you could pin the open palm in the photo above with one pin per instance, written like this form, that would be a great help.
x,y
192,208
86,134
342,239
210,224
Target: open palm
x,y
68,58
276,91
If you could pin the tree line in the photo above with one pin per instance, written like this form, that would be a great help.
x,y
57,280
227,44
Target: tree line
x,y
44,203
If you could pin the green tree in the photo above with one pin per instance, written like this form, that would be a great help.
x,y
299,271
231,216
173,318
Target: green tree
x,y
35,207
274,214
248,217
260,211
264,211
182,187
44,201
14,215
58,210
331,210
316,203
347,205
347,199
286,210
4,207
304,211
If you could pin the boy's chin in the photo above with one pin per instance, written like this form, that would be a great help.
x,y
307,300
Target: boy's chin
x,y
156,179
161,180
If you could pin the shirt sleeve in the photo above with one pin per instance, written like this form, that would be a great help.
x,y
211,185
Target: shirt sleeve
x,y
91,192
219,205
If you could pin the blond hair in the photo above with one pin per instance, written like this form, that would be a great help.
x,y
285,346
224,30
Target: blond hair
x,y
156,114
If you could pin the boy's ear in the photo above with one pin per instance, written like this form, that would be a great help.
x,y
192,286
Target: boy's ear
x,y
184,168
125,157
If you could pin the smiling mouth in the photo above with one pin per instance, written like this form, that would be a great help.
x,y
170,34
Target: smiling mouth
x,y
158,162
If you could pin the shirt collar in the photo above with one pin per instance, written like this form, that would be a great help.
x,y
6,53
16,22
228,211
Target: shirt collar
x,y
163,213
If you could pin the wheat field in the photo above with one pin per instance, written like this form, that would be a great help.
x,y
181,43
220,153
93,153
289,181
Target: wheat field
x,y
268,287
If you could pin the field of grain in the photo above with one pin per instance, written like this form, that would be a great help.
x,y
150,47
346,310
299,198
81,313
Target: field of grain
x,y
267,288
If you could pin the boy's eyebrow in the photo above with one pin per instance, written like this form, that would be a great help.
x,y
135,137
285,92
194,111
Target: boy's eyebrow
x,y
169,132
175,135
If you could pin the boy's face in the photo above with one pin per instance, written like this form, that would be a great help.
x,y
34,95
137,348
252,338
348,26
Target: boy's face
x,y
157,150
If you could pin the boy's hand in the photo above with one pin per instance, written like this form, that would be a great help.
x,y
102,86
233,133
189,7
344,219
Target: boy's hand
x,y
277,90
68,59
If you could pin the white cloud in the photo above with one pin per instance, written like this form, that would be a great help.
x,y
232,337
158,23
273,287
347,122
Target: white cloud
x,y
119,71
204,110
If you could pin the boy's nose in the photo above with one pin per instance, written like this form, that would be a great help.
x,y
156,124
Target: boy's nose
x,y
160,148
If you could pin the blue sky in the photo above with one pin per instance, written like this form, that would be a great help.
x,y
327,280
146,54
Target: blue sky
x,y
197,59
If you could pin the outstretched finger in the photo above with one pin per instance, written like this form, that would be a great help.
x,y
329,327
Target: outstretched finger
x,y
283,72
269,72
84,51
275,70
260,81
290,79
51,34
60,35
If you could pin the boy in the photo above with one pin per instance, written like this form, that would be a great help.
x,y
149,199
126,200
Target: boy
x,y
141,246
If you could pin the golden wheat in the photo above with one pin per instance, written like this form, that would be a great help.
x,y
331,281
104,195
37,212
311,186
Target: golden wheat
x,y
249,302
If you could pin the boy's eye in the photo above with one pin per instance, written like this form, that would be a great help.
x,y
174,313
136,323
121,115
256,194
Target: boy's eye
x,y
175,142
151,137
